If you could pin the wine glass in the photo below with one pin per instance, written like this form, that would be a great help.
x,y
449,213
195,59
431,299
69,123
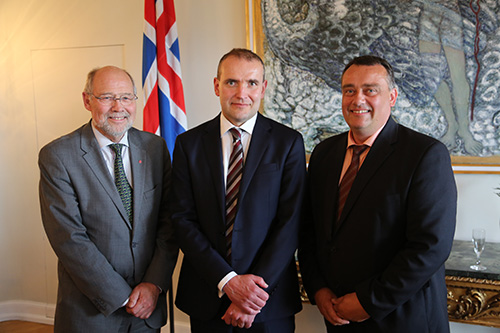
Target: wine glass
x,y
479,240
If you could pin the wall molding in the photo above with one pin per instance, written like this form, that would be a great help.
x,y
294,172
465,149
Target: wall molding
x,y
179,328
27,310
43,313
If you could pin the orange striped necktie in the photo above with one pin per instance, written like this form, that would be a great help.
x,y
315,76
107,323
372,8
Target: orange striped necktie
x,y
349,176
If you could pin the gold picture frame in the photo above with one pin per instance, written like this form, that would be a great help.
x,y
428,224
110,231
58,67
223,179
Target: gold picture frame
x,y
256,41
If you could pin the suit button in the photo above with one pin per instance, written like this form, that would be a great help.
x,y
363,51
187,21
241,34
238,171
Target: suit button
x,y
134,245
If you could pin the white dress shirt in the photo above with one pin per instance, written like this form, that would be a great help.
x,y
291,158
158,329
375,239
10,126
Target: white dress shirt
x,y
109,154
246,130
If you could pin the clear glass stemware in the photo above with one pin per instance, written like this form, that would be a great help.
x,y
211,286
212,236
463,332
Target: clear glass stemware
x,y
479,240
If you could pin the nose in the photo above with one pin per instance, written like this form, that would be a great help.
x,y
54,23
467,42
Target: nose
x,y
241,91
116,104
359,98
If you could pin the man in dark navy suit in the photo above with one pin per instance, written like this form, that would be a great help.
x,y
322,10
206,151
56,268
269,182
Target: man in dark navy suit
x,y
249,281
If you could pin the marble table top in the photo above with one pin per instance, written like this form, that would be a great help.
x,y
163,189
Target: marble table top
x,y
462,256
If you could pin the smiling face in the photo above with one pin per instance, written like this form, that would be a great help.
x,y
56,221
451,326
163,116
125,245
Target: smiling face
x,y
366,99
115,119
240,88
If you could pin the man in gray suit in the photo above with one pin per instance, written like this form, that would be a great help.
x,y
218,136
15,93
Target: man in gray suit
x,y
116,253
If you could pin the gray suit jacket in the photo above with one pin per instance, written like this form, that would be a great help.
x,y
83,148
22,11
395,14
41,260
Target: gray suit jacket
x,y
102,256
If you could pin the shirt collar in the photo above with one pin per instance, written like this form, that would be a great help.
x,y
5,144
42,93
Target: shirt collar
x,y
368,142
104,141
247,126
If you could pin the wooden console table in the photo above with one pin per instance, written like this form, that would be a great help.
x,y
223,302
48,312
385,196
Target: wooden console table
x,y
473,296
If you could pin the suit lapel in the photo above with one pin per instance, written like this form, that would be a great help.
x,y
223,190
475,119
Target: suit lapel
x,y
333,169
92,155
213,149
139,163
381,149
261,137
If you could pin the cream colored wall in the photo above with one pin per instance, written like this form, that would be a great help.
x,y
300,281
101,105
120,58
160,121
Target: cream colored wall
x,y
46,47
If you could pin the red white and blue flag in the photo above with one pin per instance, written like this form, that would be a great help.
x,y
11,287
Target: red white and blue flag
x,y
164,110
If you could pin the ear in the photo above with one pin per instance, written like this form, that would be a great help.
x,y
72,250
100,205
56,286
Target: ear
x,y
86,101
216,87
264,86
393,97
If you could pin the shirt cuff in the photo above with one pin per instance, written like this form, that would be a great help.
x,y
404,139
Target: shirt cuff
x,y
223,282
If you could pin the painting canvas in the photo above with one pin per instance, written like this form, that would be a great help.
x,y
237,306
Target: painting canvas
x,y
446,56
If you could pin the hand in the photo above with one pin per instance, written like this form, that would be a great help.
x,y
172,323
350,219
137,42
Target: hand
x,y
142,300
348,307
246,292
324,299
237,318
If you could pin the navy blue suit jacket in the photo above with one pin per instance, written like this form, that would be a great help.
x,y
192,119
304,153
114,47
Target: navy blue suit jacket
x,y
265,234
395,233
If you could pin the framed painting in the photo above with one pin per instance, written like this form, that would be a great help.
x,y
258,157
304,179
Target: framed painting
x,y
446,56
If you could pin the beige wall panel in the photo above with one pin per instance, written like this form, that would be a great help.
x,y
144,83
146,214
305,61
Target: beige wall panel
x,y
58,80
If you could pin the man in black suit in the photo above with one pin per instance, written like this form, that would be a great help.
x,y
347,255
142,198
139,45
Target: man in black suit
x,y
377,265
247,280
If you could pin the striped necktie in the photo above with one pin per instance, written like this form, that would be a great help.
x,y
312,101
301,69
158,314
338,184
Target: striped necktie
x,y
349,176
234,172
121,182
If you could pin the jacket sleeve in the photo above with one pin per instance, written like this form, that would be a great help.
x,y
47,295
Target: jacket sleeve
x,y
430,217
312,277
282,238
193,239
87,266
159,271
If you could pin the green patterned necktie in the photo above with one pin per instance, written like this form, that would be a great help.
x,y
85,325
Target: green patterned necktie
x,y
121,182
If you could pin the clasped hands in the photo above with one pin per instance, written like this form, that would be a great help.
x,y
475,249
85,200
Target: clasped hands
x,y
340,310
142,300
247,299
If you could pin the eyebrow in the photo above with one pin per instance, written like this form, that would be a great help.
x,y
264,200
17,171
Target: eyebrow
x,y
250,80
116,94
368,85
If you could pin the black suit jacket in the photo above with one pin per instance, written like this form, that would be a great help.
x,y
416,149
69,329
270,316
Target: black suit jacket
x,y
395,233
265,234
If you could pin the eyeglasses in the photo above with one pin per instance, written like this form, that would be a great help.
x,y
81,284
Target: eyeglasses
x,y
125,100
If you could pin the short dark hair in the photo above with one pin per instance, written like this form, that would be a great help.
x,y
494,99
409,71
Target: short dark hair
x,y
371,60
242,54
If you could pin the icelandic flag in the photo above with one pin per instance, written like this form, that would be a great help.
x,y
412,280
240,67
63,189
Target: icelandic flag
x,y
164,109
